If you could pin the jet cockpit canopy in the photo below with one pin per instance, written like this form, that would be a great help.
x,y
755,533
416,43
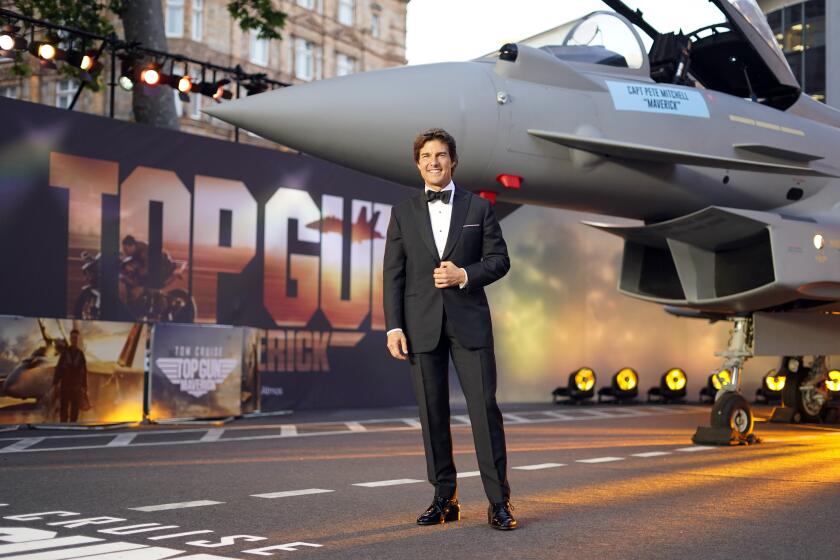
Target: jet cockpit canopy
x,y
602,38
725,45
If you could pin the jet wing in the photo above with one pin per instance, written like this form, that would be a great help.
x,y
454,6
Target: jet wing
x,y
641,152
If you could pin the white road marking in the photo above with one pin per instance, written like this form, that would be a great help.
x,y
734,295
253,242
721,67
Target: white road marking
x,y
380,483
213,434
651,454
77,552
43,544
22,444
173,535
135,529
516,418
122,440
290,493
598,413
469,474
177,505
288,430
539,466
600,460
463,418
619,412
355,427
558,415
694,448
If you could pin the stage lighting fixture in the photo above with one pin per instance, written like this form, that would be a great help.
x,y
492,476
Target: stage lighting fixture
x,y
214,89
771,388
222,93
624,386
10,40
721,378
580,386
150,76
43,50
127,77
672,387
713,385
833,381
185,84
46,53
255,87
774,382
83,60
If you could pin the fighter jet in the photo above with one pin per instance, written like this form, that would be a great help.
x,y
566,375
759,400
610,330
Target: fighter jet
x,y
361,230
32,378
705,137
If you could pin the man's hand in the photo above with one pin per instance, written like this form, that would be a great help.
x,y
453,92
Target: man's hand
x,y
398,345
449,275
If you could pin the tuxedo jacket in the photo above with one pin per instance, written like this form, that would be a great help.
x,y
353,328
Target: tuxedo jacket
x,y
412,302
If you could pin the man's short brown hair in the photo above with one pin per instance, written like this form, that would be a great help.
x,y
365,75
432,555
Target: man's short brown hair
x,y
436,134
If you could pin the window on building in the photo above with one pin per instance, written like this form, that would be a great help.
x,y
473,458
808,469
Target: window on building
x,y
344,65
307,60
195,98
65,90
197,20
12,92
174,18
800,30
375,26
814,24
793,29
308,4
195,107
258,50
179,105
346,11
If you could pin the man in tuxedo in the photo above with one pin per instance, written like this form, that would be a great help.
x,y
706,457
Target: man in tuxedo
x,y
442,248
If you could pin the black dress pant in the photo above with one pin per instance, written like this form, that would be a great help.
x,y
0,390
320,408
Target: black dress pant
x,y
477,373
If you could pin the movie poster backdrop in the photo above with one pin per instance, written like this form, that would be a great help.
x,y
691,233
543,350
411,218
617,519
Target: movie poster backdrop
x,y
105,387
196,371
109,220
250,393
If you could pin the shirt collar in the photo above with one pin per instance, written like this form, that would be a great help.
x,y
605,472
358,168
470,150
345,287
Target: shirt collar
x,y
449,187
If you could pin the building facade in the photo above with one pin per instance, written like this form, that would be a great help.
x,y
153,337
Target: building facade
x,y
321,39
806,32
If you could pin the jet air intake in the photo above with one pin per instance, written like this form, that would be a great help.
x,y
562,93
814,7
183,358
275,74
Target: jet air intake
x,y
731,261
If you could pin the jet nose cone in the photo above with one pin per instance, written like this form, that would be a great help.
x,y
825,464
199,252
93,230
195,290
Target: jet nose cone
x,y
368,121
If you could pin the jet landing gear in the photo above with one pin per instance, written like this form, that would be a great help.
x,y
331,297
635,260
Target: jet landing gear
x,y
732,419
805,394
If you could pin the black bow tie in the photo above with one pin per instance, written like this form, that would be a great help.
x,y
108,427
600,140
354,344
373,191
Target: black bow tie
x,y
431,196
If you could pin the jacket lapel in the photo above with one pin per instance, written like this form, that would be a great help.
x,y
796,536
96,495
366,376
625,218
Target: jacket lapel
x,y
424,222
456,225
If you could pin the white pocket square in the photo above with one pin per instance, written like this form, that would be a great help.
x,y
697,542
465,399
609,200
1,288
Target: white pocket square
x,y
472,225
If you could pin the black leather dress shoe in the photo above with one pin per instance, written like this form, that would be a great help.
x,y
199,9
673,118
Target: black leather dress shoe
x,y
499,516
441,511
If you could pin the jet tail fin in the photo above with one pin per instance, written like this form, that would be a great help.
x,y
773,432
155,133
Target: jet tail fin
x,y
130,347
641,152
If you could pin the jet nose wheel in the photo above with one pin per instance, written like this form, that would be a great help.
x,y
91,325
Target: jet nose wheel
x,y
732,411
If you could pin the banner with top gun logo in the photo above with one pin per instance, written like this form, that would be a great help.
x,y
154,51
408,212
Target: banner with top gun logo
x,y
109,220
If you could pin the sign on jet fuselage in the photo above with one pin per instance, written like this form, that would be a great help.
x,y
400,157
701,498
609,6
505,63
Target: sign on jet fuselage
x,y
656,98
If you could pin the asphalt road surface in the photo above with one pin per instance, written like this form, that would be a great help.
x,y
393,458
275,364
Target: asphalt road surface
x,y
587,482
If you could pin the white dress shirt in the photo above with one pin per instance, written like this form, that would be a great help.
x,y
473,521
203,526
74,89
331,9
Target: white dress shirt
x,y
440,214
